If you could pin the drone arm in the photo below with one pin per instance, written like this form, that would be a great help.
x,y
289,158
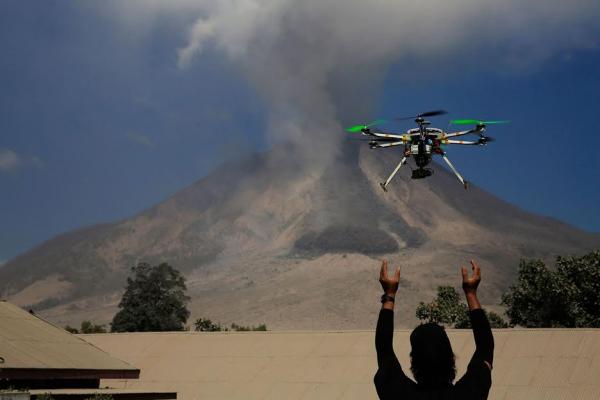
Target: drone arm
x,y
388,144
479,129
383,135
464,142
461,133
460,178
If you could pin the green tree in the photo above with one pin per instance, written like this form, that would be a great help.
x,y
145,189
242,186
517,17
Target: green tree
x,y
88,327
154,300
496,321
582,276
445,309
448,309
242,328
206,325
566,296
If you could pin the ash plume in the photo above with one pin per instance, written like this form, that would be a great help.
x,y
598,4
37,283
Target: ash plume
x,y
318,64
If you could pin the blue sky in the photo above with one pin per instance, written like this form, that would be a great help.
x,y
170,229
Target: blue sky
x,y
98,119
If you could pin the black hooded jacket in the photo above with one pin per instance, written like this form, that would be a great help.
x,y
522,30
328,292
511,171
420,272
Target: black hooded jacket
x,y
392,383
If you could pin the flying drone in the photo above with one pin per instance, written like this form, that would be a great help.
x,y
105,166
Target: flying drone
x,y
423,142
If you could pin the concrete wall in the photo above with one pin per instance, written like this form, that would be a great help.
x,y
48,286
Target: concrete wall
x,y
529,364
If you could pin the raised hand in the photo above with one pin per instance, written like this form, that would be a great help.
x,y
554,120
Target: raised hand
x,y
389,284
470,284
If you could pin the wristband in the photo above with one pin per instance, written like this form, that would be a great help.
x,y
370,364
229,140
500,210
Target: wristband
x,y
386,297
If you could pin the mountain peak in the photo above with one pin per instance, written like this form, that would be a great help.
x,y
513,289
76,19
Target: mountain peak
x,y
269,226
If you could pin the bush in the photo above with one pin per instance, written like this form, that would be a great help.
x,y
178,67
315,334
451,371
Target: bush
x,y
70,329
87,327
240,328
206,325
447,309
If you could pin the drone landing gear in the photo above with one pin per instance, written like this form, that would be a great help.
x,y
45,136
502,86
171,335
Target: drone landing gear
x,y
460,178
384,184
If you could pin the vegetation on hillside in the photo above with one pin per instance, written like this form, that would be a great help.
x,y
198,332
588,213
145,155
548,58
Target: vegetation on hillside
x,y
448,309
87,327
206,325
567,296
154,300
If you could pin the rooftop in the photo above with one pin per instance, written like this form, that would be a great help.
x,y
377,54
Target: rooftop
x,y
31,346
529,363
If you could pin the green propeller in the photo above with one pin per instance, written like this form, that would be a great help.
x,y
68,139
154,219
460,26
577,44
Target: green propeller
x,y
475,122
358,128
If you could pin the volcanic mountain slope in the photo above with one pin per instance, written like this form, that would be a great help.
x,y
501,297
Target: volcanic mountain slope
x,y
268,240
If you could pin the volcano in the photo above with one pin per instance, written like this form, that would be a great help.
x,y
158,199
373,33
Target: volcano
x,y
266,239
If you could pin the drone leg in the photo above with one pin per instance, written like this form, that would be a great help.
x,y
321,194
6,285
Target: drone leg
x,y
460,178
384,184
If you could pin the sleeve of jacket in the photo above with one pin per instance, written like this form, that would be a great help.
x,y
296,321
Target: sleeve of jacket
x,y
477,381
389,378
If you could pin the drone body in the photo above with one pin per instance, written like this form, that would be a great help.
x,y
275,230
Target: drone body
x,y
423,142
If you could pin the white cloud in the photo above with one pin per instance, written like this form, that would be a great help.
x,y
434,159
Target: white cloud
x,y
9,160
201,31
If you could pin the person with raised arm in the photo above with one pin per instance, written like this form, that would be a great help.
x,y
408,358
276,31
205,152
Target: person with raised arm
x,y
432,359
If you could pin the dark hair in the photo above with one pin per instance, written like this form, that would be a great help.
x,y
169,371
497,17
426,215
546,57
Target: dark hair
x,y
432,359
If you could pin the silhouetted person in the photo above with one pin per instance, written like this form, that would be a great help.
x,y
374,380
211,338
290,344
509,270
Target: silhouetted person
x,y
432,359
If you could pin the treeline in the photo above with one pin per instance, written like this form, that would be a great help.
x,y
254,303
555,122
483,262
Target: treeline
x,y
206,325
565,296
155,300
87,327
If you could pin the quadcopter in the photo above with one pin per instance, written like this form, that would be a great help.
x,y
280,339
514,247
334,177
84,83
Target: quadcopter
x,y
423,142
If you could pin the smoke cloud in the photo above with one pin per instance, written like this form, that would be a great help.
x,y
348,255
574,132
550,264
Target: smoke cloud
x,y
319,64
